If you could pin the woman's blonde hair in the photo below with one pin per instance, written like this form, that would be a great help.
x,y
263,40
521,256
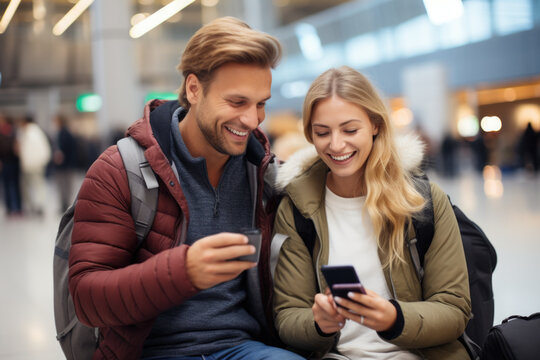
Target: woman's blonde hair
x,y
391,197
222,41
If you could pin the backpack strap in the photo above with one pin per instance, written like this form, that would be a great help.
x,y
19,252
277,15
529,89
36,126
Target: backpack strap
x,y
305,228
143,186
424,226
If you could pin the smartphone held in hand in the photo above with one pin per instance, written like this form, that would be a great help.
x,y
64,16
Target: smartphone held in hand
x,y
342,279
255,239
341,290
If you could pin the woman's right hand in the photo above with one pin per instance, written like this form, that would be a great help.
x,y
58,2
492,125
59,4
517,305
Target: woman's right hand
x,y
326,315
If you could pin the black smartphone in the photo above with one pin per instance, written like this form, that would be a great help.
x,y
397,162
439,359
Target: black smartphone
x,y
255,239
342,275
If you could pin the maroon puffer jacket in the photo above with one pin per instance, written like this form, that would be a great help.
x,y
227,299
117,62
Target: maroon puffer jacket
x,y
112,287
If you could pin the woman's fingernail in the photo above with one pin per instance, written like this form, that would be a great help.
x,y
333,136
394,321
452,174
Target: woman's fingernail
x,y
337,299
340,324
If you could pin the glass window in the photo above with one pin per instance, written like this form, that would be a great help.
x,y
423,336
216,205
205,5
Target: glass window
x,y
512,16
478,20
362,50
415,37
386,44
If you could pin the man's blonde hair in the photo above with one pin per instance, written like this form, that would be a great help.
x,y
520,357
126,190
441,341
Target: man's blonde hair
x,y
222,41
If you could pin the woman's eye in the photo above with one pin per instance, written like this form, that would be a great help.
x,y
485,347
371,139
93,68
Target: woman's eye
x,y
350,131
320,134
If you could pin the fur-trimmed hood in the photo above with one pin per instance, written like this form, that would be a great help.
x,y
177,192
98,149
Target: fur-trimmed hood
x,y
409,147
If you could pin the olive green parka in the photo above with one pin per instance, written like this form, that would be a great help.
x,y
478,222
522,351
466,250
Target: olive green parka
x,y
431,315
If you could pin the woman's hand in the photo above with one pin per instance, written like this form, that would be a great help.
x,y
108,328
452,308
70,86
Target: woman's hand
x,y
326,314
370,310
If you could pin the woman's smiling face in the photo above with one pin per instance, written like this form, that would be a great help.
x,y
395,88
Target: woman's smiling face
x,y
343,136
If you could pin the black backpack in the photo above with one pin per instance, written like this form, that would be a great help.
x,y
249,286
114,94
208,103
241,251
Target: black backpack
x,y
479,253
516,338
78,341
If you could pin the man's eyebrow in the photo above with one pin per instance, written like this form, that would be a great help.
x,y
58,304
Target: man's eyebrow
x,y
243,97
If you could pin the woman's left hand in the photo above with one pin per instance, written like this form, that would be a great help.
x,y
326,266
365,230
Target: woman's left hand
x,y
370,310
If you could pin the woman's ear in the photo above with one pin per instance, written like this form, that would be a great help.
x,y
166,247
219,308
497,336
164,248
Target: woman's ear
x,y
193,89
375,130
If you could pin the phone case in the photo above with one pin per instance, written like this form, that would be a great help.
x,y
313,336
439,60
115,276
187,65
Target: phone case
x,y
342,290
339,274
254,238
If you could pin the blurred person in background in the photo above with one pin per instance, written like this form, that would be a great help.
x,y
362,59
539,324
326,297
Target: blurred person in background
x,y
480,150
356,185
35,153
181,295
449,147
428,162
528,149
10,167
65,159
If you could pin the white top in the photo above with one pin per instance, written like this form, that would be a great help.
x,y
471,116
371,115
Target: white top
x,y
352,242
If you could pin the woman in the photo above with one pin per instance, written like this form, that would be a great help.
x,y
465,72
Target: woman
x,y
359,192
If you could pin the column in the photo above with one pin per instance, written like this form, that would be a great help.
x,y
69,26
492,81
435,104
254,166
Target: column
x,y
425,88
114,73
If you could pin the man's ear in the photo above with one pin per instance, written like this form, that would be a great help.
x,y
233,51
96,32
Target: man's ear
x,y
193,89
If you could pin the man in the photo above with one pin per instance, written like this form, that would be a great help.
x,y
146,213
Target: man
x,y
181,296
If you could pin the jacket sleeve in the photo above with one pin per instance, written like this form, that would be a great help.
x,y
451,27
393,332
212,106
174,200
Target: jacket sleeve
x,y
444,313
107,287
295,287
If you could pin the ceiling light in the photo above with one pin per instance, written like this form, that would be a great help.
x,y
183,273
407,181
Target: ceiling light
x,y
158,17
137,18
209,3
71,16
39,10
309,41
443,11
8,14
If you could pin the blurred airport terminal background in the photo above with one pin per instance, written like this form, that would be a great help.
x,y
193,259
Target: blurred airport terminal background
x,y
74,74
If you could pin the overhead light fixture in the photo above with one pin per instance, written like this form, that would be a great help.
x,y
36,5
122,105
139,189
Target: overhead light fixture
x,y
309,41
39,10
72,15
209,3
443,11
158,17
8,14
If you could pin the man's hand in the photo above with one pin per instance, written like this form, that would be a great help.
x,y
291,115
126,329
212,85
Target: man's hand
x,y
209,259
326,315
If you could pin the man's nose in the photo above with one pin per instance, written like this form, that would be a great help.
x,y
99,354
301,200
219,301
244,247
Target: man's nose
x,y
251,117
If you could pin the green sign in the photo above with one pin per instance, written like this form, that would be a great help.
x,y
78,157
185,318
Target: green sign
x,y
88,102
163,95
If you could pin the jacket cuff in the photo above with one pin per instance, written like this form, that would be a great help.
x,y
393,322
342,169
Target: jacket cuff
x,y
322,333
397,329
